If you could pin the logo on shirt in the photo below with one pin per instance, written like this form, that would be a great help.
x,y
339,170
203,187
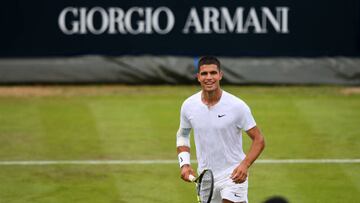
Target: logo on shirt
x,y
222,115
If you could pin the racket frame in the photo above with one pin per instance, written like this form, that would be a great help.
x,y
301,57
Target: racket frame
x,y
198,181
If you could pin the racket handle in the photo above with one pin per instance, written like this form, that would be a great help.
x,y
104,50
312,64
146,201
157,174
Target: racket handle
x,y
192,178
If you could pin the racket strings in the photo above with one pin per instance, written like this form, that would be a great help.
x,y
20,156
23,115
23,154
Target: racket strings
x,y
205,187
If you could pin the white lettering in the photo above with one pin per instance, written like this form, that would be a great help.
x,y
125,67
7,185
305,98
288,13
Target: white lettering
x,y
284,25
62,19
170,21
128,18
220,20
193,21
148,20
115,20
252,20
116,16
267,15
211,16
83,21
228,23
104,21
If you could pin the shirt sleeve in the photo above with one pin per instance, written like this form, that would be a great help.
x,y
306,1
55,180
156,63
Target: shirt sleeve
x,y
184,121
246,120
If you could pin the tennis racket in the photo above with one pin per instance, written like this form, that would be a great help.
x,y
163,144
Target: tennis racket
x,y
204,185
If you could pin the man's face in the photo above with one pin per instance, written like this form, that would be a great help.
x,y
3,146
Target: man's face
x,y
209,77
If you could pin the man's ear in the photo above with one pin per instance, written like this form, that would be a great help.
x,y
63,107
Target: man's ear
x,y
198,77
221,74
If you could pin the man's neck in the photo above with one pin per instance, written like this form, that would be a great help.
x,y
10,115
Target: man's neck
x,y
211,98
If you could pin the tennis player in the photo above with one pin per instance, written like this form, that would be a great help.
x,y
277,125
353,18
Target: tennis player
x,y
218,119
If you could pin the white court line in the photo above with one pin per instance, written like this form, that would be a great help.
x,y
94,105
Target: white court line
x,y
307,161
159,161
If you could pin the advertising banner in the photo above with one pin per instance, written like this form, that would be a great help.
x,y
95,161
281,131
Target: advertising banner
x,y
189,28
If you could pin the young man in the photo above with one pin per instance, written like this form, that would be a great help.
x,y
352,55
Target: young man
x,y
217,119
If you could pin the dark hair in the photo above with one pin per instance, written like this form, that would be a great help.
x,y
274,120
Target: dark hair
x,y
276,199
206,60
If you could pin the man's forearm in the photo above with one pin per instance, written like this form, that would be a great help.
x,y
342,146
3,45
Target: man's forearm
x,y
257,146
180,149
254,152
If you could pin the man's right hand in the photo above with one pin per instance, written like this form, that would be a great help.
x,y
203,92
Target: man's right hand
x,y
186,170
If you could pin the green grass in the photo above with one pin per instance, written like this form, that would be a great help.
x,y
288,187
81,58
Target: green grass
x,y
140,122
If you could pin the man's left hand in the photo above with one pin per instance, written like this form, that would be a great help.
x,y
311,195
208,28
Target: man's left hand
x,y
240,173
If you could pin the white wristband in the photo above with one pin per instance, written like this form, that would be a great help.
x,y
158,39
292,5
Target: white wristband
x,y
184,158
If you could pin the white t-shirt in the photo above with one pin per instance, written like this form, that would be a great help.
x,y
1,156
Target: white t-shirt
x,y
217,131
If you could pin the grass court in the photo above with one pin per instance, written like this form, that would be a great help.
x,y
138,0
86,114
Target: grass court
x,y
111,122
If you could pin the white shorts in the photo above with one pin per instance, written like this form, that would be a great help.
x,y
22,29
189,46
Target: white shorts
x,y
225,188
